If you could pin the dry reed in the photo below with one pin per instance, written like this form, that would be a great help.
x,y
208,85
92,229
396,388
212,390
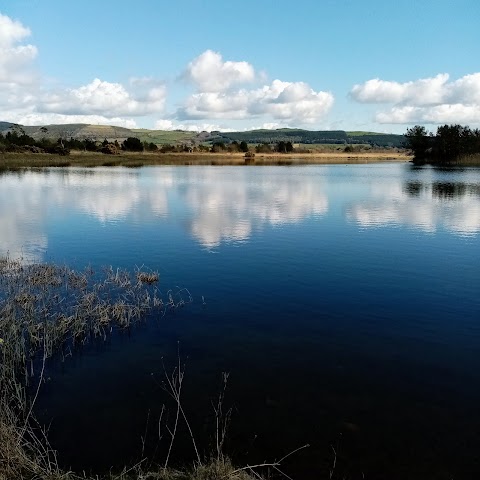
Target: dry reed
x,y
46,309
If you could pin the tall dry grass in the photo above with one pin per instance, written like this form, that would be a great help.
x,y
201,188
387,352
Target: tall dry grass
x,y
48,310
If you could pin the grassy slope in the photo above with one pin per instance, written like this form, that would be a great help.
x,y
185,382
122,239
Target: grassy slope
x,y
160,137
359,133
163,136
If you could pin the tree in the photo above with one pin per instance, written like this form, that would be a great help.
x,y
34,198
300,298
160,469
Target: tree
x,y
417,141
167,148
90,145
448,142
243,147
150,147
263,148
218,147
132,144
233,147
451,143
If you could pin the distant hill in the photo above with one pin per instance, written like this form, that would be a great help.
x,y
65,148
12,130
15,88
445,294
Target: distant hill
x,y
81,131
5,126
166,136
312,137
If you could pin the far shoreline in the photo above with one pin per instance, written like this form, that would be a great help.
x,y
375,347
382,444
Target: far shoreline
x,y
12,161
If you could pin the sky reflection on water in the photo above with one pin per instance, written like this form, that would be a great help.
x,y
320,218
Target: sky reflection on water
x,y
217,205
358,284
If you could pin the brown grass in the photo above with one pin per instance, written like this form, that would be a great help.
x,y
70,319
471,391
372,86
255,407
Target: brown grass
x,y
46,309
12,161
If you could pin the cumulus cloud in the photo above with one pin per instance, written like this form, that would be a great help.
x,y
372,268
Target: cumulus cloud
x,y
15,58
34,118
425,91
101,97
439,114
294,102
189,127
429,100
209,73
25,99
220,93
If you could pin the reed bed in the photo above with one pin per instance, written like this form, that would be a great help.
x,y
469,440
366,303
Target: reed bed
x,y
48,310
20,161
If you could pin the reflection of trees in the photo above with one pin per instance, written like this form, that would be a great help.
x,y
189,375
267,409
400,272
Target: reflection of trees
x,y
441,190
413,188
423,205
447,190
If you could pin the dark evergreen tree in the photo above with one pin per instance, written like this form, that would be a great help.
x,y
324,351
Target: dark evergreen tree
x,y
132,144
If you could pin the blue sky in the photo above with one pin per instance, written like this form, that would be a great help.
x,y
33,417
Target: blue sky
x,y
199,64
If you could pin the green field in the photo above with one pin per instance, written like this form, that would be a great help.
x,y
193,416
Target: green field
x,y
179,137
359,133
163,137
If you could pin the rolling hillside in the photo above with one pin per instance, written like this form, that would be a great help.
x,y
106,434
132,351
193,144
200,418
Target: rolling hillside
x,y
311,137
161,137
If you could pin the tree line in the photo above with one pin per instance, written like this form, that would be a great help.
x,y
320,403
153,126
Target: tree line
x,y
451,143
332,137
16,140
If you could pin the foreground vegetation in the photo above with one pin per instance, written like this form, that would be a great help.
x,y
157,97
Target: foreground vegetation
x,y
452,144
49,311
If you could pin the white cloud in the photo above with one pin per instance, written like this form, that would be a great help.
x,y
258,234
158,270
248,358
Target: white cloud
x,y
294,102
432,100
440,114
15,59
24,98
270,126
425,91
211,74
33,118
101,97
189,127
465,90
220,94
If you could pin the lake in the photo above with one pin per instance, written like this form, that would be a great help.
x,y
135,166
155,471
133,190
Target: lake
x,y
342,300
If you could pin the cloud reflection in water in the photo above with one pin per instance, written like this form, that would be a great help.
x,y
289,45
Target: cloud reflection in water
x,y
426,206
214,206
229,211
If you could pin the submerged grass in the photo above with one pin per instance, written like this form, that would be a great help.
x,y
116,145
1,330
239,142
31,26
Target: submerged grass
x,y
49,310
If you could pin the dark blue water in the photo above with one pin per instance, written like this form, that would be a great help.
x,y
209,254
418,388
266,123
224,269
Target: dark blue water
x,y
343,300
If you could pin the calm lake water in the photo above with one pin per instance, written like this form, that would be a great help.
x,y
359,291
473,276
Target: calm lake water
x,y
343,300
